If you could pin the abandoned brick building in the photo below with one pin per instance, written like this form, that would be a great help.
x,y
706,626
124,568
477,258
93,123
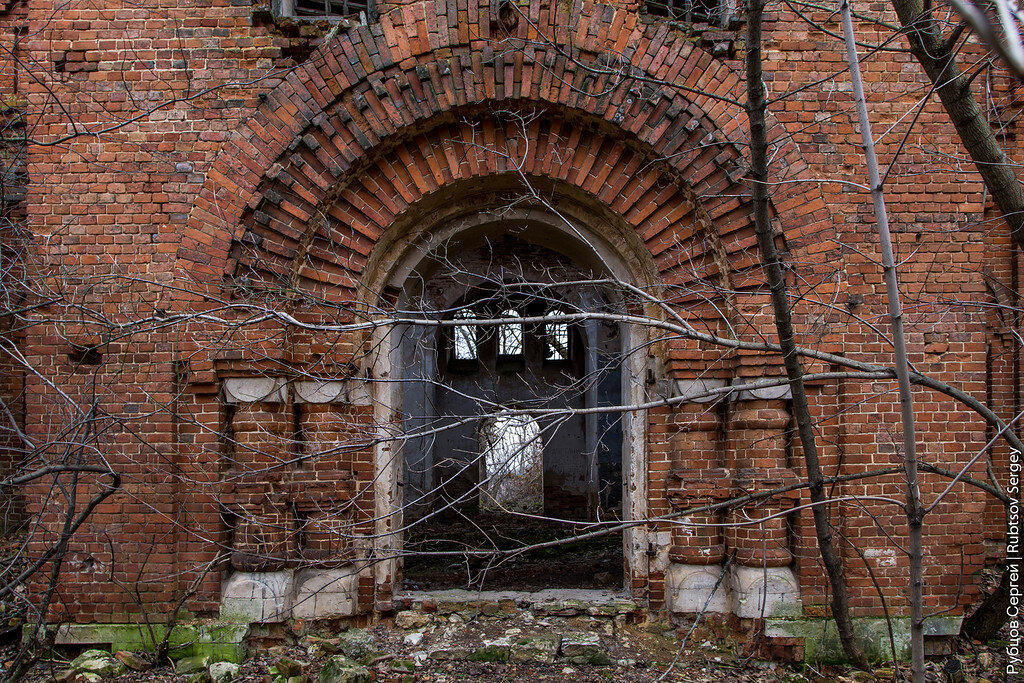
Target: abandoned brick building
x,y
320,280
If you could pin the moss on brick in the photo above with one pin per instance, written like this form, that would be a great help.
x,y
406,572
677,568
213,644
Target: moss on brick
x,y
821,639
489,653
220,642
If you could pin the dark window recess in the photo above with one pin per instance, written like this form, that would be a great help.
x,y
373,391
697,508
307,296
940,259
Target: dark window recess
x,y
331,8
692,11
84,355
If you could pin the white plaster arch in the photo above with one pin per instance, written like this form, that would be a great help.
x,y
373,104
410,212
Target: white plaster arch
x,y
589,238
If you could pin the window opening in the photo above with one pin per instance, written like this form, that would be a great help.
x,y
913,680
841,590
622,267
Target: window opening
x,y
464,346
511,464
510,338
556,339
691,11
331,8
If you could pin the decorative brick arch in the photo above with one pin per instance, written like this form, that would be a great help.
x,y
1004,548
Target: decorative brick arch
x,y
375,115
326,246
577,230
385,122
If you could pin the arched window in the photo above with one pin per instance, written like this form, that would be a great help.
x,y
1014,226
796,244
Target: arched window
x,y
713,12
556,338
511,345
464,346
363,10
511,463
510,335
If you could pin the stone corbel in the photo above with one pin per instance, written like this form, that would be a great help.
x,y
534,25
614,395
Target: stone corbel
x,y
255,390
314,391
351,391
700,390
772,392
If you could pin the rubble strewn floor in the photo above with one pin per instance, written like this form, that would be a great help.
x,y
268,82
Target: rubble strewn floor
x,y
592,563
501,636
449,640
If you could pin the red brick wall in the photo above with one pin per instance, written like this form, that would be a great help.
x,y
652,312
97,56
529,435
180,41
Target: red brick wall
x,y
223,189
13,246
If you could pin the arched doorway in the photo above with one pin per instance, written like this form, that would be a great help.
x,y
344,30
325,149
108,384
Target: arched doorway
x,y
507,389
405,367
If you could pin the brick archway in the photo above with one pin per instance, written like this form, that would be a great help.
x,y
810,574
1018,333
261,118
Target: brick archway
x,y
361,148
381,111
583,237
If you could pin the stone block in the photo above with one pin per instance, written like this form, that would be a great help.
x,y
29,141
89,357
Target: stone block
x,y
492,652
357,643
767,393
696,390
357,392
581,644
221,641
449,653
117,636
539,649
319,391
254,390
223,672
258,597
690,585
563,607
190,665
613,607
768,592
325,593
341,669
100,663
410,619
287,667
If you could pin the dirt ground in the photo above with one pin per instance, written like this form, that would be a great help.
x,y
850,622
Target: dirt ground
x,y
653,651
595,563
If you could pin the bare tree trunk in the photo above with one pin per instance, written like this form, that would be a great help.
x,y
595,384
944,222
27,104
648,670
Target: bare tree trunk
x,y
936,56
915,511
756,106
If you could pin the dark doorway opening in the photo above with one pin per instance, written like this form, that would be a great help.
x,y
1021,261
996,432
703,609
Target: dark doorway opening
x,y
513,454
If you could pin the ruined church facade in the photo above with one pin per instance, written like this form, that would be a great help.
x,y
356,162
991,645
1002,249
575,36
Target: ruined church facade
x,y
317,271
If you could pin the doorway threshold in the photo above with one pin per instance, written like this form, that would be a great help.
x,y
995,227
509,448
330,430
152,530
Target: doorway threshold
x,y
551,601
